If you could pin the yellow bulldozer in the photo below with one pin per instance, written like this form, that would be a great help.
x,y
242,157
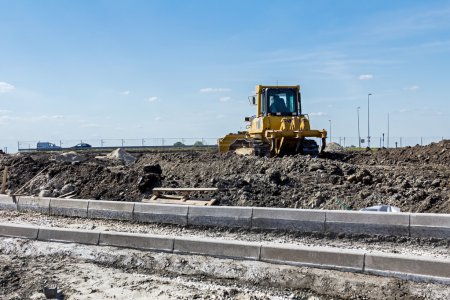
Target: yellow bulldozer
x,y
278,128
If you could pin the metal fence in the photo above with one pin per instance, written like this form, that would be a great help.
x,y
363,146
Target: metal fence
x,y
348,142
116,143
383,141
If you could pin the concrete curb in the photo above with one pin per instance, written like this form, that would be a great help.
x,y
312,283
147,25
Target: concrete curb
x,y
398,224
426,225
414,268
151,213
137,241
22,231
100,209
307,220
33,204
69,207
6,203
318,257
217,248
408,267
226,216
69,235
367,223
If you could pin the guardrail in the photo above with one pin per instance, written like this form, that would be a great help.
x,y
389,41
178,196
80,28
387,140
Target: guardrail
x,y
417,268
301,220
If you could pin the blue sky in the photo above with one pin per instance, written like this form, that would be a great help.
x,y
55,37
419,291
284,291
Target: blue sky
x,y
133,69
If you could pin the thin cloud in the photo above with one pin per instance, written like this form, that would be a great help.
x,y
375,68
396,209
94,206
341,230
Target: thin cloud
x,y
4,111
47,118
125,93
153,99
365,77
215,90
412,88
6,87
158,118
225,99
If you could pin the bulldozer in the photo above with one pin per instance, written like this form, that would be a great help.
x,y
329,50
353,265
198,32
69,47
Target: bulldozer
x,y
278,128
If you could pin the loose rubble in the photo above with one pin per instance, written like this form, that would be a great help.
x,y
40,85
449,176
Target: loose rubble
x,y
339,180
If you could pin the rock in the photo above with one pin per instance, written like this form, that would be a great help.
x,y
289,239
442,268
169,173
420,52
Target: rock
x,y
122,155
68,188
71,156
334,179
317,200
352,178
275,177
45,193
156,169
147,182
436,183
334,147
315,167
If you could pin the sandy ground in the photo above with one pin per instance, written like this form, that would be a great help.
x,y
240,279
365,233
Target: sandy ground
x,y
398,245
93,272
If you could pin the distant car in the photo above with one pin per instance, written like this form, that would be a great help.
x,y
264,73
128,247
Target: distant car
x,y
47,146
82,146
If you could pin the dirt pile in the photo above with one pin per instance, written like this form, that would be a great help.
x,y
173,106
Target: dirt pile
x,y
338,181
435,153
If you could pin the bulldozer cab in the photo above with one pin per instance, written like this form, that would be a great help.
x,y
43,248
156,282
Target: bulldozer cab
x,y
279,102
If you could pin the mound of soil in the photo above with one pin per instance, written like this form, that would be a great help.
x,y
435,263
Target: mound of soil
x,y
415,179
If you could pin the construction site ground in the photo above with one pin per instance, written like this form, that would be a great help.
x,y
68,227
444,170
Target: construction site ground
x,y
415,179
92,272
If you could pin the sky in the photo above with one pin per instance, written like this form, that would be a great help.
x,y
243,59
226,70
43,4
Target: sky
x,y
93,69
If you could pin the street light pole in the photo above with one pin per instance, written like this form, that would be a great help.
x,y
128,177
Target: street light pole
x,y
388,133
368,120
359,134
330,129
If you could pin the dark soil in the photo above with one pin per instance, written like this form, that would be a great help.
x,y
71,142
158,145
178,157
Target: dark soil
x,y
415,179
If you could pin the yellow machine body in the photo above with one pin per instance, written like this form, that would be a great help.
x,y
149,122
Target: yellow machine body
x,y
275,130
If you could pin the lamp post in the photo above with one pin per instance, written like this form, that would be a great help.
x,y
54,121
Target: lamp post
x,y
330,129
388,133
368,120
359,133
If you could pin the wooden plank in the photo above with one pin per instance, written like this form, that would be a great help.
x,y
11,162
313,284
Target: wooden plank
x,y
185,189
176,201
4,180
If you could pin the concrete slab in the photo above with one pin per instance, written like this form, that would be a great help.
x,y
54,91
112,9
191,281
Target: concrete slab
x,y
110,210
217,248
69,207
33,204
7,203
357,222
321,257
69,235
430,225
137,241
220,216
407,267
164,213
17,230
304,220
